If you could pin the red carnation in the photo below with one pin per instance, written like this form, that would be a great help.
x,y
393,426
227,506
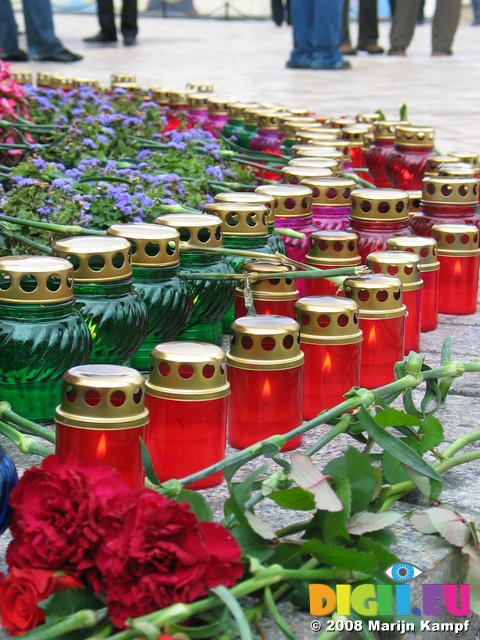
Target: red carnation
x,y
57,514
162,555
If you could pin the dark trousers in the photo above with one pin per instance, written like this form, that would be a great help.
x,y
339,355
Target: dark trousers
x,y
106,17
444,25
367,23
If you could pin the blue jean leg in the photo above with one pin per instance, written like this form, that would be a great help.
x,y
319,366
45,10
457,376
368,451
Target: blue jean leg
x,y
8,28
39,27
327,33
301,12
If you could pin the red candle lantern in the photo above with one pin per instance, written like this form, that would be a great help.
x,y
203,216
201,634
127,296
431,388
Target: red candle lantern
x,y
341,123
275,296
102,417
459,257
265,373
331,341
315,163
382,320
376,215
406,267
446,200
187,397
469,157
355,135
330,250
426,250
178,102
405,165
414,202
331,199
433,164
381,147
295,175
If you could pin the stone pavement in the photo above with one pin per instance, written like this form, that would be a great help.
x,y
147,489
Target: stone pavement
x,y
246,59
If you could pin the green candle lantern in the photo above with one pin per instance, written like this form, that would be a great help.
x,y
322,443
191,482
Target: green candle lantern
x,y
41,334
115,315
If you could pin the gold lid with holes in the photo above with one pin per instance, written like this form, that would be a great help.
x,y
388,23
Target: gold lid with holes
x,y
22,77
409,135
197,229
188,371
178,98
102,396
130,87
340,145
62,82
219,106
198,101
307,136
200,87
240,220
341,123
330,192
402,264
424,248
122,77
236,110
320,130
385,129
433,164
265,342
250,115
469,157
268,120
44,78
301,112
96,258
325,121
331,248
376,205
249,197
368,118
456,239
356,134
162,96
314,151
152,244
414,201
291,201
449,190
309,161
457,170
295,175
311,150
35,280
85,82
289,126
367,140
378,297
274,288
328,320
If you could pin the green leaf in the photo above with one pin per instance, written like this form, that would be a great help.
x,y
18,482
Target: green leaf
x,y
236,610
64,603
148,465
421,522
357,468
381,115
252,544
432,434
396,447
239,494
378,482
393,469
367,521
394,418
403,112
310,478
331,527
297,499
197,503
277,618
421,482
272,446
384,557
446,350
340,557
449,525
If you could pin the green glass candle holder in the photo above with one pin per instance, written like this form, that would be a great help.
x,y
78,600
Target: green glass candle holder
x,y
41,334
115,314
155,261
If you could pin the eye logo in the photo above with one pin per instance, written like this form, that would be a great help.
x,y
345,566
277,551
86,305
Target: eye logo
x,y
402,572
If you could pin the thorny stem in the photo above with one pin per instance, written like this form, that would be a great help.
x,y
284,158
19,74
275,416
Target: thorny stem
x,y
73,230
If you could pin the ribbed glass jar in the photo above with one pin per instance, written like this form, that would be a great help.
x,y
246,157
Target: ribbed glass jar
x,y
405,166
267,137
331,201
382,146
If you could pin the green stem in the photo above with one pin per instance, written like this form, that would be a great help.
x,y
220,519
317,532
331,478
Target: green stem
x,y
460,443
328,274
357,179
25,444
73,230
445,465
292,528
275,614
23,240
33,428
288,233
85,619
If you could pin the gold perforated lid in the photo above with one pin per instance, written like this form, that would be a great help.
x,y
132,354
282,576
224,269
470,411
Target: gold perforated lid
x,y
467,156
292,201
200,87
199,229
35,280
265,342
302,112
433,164
161,95
198,101
368,118
378,297
325,121
414,136
330,192
379,205
356,133
329,248
414,201
314,152
367,140
273,288
219,106
323,163
178,98
22,77
122,77
44,78
341,123
403,265
85,82
96,258
102,396
250,115
340,145
385,129
295,175
62,82
424,248
456,239
188,371
129,87
268,120
248,219
152,244
249,197
458,170
328,320
235,110
449,190
289,125
307,135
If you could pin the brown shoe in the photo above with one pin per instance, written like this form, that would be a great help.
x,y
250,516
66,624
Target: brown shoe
x,y
438,54
347,50
397,52
372,48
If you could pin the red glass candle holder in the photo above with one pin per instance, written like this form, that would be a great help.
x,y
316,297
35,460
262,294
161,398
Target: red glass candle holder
x,y
459,257
265,373
406,267
187,397
405,165
426,250
381,147
382,320
102,417
376,215
330,250
275,296
355,135
178,102
331,341
446,200
331,200
326,144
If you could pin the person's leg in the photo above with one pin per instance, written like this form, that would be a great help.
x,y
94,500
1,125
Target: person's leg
x,y
445,23
41,36
392,7
327,30
368,27
302,22
345,29
403,24
129,18
106,18
8,29
476,12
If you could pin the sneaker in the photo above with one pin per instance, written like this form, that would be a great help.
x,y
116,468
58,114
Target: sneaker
x,y
293,64
16,56
129,41
64,55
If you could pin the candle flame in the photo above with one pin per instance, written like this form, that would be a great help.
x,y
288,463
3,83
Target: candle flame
x,y
102,448
327,365
371,337
266,390
458,268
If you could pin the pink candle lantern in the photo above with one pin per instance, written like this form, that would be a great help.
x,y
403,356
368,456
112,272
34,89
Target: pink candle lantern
x,y
331,341
330,250
265,370
197,110
187,397
405,166
268,137
331,200
459,257
218,112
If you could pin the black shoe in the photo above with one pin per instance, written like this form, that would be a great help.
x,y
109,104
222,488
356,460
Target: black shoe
x,y
16,56
100,38
129,41
372,48
64,55
278,12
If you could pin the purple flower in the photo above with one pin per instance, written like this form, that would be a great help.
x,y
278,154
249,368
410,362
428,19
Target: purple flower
x,y
44,211
132,120
23,182
144,153
102,139
215,172
40,163
63,185
88,142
